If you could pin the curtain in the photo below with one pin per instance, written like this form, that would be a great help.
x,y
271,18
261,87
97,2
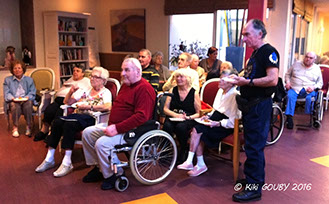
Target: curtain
x,y
173,7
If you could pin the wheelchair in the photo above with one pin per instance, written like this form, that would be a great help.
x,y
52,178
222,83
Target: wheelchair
x,y
317,111
151,158
276,125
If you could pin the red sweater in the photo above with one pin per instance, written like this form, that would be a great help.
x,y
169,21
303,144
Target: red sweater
x,y
133,106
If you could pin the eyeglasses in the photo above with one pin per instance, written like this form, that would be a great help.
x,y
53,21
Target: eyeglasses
x,y
95,77
309,57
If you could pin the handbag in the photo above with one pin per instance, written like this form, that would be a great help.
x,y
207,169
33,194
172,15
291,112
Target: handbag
x,y
132,136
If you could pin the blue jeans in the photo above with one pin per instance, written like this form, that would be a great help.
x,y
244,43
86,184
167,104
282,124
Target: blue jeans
x,y
256,124
292,98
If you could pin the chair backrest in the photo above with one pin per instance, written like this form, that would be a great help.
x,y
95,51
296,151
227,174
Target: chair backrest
x,y
87,73
325,77
209,91
114,86
44,78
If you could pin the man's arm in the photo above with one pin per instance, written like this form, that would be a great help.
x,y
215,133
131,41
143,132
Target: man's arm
x,y
271,79
287,78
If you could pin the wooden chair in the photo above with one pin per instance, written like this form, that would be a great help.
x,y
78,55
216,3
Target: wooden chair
x,y
235,140
44,81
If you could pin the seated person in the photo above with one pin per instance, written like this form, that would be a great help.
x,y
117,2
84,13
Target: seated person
x,y
221,124
211,63
53,110
184,62
98,98
10,56
164,72
19,93
195,66
184,104
149,72
132,107
215,74
302,79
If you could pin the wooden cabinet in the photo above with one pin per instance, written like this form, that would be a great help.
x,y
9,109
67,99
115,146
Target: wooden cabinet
x,y
66,43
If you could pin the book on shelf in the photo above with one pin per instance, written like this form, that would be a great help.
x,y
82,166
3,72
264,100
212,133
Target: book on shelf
x,y
70,25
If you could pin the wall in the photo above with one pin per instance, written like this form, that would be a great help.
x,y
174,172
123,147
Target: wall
x,y
156,23
78,6
278,26
10,31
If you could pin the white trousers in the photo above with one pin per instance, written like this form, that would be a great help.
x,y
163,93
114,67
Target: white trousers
x,y
97,148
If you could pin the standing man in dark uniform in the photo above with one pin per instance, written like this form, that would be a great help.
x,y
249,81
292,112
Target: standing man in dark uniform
x,y
257,86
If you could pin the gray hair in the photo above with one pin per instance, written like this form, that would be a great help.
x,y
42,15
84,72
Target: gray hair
x,y
229,72
147,51
135,63
104,73
188,56
259,25
157,53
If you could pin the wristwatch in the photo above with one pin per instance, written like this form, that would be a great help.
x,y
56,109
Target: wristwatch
x,y
251,83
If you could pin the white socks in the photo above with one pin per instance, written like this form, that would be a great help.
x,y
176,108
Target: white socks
x,y
190,156
50,155
67,158
200,161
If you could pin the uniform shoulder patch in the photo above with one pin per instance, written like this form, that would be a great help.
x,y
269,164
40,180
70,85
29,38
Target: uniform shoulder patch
x,y
273,58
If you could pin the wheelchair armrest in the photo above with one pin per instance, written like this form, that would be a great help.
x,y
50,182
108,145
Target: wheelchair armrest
x,y
101,117
65,108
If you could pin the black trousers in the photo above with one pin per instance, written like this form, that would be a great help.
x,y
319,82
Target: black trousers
x,y
182,131
53,110
66,128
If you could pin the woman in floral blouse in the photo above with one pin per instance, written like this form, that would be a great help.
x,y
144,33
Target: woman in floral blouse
x,y
98,98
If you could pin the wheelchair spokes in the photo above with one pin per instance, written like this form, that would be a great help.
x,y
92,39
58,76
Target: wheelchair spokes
x,y
153,157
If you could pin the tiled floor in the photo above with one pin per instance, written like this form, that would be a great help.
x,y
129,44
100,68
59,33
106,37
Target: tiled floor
x,y
290,163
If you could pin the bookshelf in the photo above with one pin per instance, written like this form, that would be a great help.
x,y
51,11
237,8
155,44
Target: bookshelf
x,y
66,43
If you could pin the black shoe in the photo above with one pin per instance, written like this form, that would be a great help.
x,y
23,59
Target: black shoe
x,y
40,136
109,183
290,122
246,196
93,176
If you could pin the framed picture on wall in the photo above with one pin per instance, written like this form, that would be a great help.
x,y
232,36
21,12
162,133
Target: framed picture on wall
x,y
127,30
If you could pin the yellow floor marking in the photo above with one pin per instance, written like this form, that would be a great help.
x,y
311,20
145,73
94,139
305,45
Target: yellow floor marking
x,y
162,198
322,160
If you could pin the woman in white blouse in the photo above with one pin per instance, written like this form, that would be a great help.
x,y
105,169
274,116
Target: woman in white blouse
x,y
98,98
219,125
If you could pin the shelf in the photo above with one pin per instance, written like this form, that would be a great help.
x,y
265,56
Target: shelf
x,y
72,61
72,32
72,47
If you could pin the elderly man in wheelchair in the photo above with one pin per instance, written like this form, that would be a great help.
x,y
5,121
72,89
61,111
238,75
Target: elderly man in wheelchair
x,y
303,80
132,108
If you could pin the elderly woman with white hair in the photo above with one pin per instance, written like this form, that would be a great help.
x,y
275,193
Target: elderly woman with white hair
x,y
98,98
181,109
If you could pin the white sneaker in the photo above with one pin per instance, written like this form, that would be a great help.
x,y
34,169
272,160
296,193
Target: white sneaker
x,y
197,171
63,170
15,133
185,166
44,166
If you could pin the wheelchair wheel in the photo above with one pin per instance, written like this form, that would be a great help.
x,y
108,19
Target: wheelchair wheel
x,y
318,107
276,126
121,184
153,157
